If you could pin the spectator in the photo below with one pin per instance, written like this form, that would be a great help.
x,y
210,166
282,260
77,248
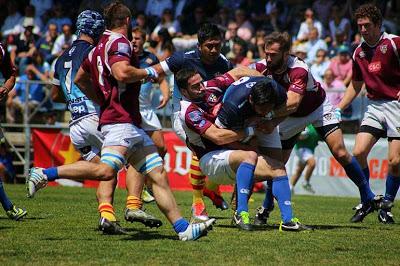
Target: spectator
x,y
30,16
24,46
39,67
141,22
164,47
222,18
63,41
245,28
191,24
340,41
59,18
277,12
338,23
155,8
12,19
7,171
257,44
238,55
334,87
41,6
320,65
166,22
322,9
342,65
300,51
230,35
314,44
16,97
46,43
309,23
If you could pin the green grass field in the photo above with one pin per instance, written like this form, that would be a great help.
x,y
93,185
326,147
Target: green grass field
x,y
61,229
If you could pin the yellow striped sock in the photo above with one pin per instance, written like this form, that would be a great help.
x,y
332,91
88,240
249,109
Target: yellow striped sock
x,y
107,211
133,202
197,180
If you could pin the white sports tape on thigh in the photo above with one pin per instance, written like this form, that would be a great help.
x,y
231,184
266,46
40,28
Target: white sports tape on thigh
x,y
149,163
113,158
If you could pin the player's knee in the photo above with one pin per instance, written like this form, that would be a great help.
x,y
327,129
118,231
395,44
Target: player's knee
x,y
106,172
341,154
360,154
158,176
250,157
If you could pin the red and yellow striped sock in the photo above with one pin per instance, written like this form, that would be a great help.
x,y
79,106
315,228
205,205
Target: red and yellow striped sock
x,y
197,180
107,211
133,202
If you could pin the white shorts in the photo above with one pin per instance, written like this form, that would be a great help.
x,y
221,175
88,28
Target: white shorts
x,y
150,121
304,154
85,136
216,166
177,126
324,115
269,140
383,115
126,135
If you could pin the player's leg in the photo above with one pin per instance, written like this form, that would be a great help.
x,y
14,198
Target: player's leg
x,y
299,167
133,210
149,163
365,140
158,139
309,158
12,211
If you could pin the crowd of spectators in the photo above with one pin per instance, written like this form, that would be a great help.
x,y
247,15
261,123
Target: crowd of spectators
x,y
324,33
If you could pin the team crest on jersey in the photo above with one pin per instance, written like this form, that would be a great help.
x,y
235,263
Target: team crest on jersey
x,y
195,116
398,129
250,84
383,49
202,123
149,61
362,54
374,67
212,98
328,116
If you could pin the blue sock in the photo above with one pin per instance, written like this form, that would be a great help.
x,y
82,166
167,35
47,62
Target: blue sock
x,y
281,191
269,197
180,225
392,186
366,173
244,182
354,172
7,205
51,173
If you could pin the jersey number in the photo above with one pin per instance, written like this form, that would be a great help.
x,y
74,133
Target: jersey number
x,y
68,82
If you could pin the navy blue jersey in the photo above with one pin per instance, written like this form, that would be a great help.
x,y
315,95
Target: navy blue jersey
x,y
191,59
236,108
66,67
146,59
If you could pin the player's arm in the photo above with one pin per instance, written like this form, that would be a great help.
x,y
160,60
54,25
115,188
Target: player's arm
x,y
292,104
124,72
164,93
240,72
222,136
56,94
84,82
351,93
9,73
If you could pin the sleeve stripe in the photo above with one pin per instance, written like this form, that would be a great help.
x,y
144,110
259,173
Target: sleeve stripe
x,y
165,68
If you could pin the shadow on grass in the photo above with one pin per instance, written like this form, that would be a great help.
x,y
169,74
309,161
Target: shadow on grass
x,y
255,228
5,227
23,219
147,235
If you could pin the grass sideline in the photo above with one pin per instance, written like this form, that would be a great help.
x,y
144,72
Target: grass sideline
x,y
61,229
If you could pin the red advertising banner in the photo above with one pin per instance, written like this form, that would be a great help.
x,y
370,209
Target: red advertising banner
x,y
53,147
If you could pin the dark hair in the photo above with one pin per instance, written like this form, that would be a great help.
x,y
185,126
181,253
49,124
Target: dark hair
x,y
264,92
166,40
369,11
283,38
182,77
242,43
115,15
208,31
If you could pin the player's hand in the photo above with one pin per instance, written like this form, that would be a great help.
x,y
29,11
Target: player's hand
x,y
398,96
3,92
163,102
338,114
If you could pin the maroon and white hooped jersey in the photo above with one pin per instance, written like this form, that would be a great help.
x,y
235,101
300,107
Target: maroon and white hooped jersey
x,y
197,117
119,102
7,68
379,67
297,78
